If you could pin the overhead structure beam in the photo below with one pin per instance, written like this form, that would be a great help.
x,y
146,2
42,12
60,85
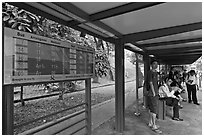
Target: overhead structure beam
x,y
134,37
183,49
175,52
181,61
179,52
133,6
78,12
192,57
180,57
171,42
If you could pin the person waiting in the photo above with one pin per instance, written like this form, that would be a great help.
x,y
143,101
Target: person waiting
x,y
171,99
191,83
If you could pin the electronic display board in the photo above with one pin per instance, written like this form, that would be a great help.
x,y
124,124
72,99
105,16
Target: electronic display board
x,y
31,58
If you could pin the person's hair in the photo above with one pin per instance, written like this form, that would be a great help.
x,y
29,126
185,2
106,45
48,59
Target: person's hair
x,y
167,78
152,61
176,72
192,71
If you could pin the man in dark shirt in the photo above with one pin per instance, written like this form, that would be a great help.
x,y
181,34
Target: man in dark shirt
x,y
152,96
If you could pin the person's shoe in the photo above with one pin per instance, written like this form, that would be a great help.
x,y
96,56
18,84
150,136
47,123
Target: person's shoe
x,y
197,103
177,119
184,100
189,101
180,106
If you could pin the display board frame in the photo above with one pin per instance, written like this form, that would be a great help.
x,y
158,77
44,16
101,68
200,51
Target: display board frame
x,y
12,38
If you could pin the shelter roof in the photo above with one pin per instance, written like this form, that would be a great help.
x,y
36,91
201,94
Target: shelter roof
x,y
171,31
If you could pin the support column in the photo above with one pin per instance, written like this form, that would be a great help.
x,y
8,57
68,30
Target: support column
x,y
119,87
21,97
146,69
166,69
7,110
137,85
88,105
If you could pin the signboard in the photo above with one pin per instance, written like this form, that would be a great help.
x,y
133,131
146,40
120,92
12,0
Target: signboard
x,y
32,58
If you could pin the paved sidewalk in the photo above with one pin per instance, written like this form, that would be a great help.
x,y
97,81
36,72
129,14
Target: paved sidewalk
x,y
192,124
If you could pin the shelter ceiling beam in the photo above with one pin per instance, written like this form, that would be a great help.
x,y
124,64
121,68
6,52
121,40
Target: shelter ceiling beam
x,y
181,57
133,6
78,12
179,52
171,42
181,61
171,50
134,37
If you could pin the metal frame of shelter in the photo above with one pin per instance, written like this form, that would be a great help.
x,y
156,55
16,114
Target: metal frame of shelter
x,y
161,36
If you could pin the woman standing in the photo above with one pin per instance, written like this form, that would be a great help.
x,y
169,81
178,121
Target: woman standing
x,y
191,83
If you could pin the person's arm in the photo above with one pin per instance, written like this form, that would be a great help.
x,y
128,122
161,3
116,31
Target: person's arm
x,y
196,82
168,93
152,88
151,83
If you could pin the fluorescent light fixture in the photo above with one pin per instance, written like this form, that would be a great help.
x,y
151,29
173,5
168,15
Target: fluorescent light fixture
x,y
133,46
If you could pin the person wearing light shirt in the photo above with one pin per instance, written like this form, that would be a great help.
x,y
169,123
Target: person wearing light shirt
x,y
191,83
171,99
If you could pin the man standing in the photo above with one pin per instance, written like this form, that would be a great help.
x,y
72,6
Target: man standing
x,y
152,96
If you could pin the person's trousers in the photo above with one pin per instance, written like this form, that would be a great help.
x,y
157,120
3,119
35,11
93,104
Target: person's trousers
x,y
191,89
174,103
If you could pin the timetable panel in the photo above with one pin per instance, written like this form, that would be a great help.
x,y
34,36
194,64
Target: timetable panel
x,y
33,58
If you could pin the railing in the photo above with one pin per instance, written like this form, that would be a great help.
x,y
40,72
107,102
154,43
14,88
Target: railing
x,y
8,113
52,123
57,94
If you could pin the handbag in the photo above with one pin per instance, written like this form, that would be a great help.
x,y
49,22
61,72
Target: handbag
x,y
162,94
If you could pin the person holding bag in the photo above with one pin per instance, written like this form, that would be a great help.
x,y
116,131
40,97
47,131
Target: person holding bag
x,y
168,93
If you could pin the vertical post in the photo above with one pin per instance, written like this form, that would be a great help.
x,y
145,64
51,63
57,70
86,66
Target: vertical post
x,y
7,110
146,69
137,85
21,97
88,104
165,71
119,87
7,100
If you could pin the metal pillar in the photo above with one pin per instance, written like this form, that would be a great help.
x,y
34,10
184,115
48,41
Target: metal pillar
x,y
7,110
21,97
119,87
88,105
166,69
146,69
137,85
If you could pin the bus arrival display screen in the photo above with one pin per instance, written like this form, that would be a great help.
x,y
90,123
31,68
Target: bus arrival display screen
x,y
32,58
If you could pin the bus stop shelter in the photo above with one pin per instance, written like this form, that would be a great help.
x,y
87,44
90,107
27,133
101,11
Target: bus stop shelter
x,y
171,32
